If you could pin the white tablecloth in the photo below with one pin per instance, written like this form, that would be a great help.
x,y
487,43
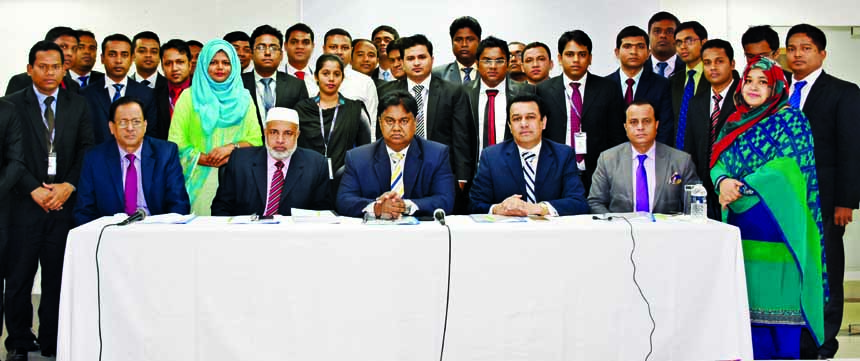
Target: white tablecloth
x,y
557,290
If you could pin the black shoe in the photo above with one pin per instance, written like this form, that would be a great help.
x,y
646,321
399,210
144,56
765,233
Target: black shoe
x,y
17,355
32,347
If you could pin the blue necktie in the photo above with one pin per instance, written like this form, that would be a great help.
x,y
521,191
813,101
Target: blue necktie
x,y
268,97
642,186
467,78
794,100
662,68
682,118
117,94
83,80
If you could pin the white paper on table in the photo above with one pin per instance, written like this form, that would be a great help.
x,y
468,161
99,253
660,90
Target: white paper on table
x,y
169,218
312,216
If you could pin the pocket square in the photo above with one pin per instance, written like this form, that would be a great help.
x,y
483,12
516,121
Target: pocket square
x,y
674,179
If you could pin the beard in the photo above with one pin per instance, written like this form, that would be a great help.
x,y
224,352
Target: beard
x,y
281,155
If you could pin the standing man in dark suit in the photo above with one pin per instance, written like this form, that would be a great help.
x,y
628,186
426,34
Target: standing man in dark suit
x,y
67,40
381,37
762,40
832,106
243,45
269,87
465,35
56,133
708,113
443,108
399,174
116,57
636,83
516,70
176,65
690,37
537,62
82,71
142,172
146,47
299,44
11,169
583,111
254,179
664,60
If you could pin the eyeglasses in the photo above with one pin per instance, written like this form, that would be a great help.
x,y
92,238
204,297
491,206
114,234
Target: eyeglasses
x,y
135,123
491,62
392,122
263,47
688,41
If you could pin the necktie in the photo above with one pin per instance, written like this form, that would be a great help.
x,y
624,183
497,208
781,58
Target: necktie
x,y
575,116
300,74
268,97
529,175
794,100
49,119
419,118
715,116
642,186
274,201
145,82
386,75
117,94
397,174
490,118
83,80
661,68
628,95
467,78
130,186
689,89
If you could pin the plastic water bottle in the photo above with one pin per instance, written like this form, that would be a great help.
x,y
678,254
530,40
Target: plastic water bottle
x,y
699,204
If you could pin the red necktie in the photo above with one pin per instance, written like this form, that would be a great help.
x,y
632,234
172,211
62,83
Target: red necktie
x,y
628,96
301,75
491,117
275,191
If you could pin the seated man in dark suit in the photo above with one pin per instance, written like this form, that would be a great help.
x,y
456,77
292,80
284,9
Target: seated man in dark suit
x,y
399,173
254,179
529,174
465,34
67,39
642,175
134,172
116,57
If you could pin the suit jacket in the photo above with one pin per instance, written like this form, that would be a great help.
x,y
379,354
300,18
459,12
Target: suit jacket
x,y
448,122
500,175
655,89
242,183
602,117
451,72
512,89
697,140
289,90
94,74
678,81
99,101
679,65
101,188
160,80
11,158
832,107
73,136
612,186
23,80
161,95
427,178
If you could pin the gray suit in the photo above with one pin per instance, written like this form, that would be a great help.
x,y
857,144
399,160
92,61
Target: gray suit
x,y
451,72
612,182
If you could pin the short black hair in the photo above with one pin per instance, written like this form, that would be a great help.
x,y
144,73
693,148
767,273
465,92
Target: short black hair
x,y
180,46
59,31
760,33
577,36
82,32
465,22
395,98
631,31
538,44
415,40
817,36
720,44
697,28
145,35
527,98
266,30
128,99
386,29
193,42
336,31
397,44
235,36
322,59
115,37
45,45
641,102
663,15
301,27
359,40
516,43
493,42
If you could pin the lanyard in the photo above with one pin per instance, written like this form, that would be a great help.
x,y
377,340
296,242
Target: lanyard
x,y
322,123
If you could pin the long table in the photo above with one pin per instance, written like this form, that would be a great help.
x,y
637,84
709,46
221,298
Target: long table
x,y
556,290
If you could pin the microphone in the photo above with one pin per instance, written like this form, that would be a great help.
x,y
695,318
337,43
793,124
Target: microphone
x,y
139,215
604,218
439,216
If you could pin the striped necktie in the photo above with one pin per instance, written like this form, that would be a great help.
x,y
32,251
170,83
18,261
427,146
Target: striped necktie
x,y
274,201
420,131
715,116
397,174
529,175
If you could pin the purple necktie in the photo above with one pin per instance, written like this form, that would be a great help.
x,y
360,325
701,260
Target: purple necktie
x,y
642,186
130,186
575,114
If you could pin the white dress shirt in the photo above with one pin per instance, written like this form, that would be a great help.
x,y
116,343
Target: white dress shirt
x,y
310,82
670,67
624,77
650,170
722,100
810,81
536,151
357,86
473,74
568,92
499,108
109,83
77,77
152,78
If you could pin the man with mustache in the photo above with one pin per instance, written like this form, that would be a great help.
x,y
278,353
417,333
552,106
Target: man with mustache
x,y
147,55
663,60
67,39
537,62
299,43
465,35
82,71
176,65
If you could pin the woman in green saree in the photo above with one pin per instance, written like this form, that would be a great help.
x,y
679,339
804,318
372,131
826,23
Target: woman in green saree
x,y
763,167
211,119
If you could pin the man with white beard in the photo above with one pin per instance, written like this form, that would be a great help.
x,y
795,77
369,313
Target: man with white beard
x,y
274,178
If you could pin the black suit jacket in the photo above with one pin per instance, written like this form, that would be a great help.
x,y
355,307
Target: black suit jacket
x,y
832,107
99,101
243,180
655,89
448,122
512,89
161,95
602,117
679,65
73,136
678,81
289,90
11,159
23,80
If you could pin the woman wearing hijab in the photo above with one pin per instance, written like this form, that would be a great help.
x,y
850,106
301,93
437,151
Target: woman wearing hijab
x,y
330,123
211,119
763,167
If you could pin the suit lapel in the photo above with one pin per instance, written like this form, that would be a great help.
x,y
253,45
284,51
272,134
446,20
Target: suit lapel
x,y
432,102
644,85
294,174
35,115
625,172
382,167
661,168
114,167
546,163
816,91
590,97
148,163
412,167
558,95
474,89
259,173
281,89
515,166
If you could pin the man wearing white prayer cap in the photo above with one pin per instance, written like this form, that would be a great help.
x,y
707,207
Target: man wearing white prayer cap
x,y
274,178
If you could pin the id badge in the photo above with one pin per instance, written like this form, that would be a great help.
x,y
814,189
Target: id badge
x,y
52,164
579,143
330,173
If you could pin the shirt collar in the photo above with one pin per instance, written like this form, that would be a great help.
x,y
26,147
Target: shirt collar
x,y
811,78
461,66
651,153
307,69
258,77
581,81
152,78
501,87
403,152
123,153
41,97
535,149
109,82
77,76
425,83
